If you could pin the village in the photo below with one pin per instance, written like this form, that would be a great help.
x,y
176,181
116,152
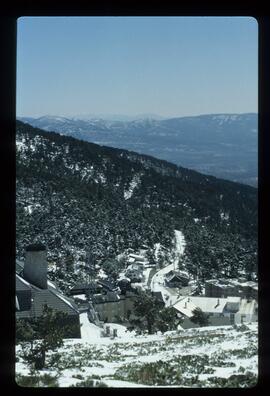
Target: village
x,y
106,302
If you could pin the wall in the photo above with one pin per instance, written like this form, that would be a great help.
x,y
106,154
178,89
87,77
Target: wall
x,y
111,311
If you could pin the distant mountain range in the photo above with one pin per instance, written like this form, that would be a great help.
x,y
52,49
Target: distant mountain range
x,y
222,145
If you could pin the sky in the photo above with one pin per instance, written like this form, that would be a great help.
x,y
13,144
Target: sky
x,y
166,66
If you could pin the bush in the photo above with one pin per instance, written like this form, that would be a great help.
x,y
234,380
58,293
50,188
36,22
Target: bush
x,y
247,380
34,380
90,383
77,376
27,380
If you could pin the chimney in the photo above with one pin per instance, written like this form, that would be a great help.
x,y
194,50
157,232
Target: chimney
x,y
35,266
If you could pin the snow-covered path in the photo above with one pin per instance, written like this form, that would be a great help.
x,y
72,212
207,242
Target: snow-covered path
x,y
180,243
157,282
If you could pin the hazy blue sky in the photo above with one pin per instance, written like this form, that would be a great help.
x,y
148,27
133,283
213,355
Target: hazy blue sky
x,y
171,66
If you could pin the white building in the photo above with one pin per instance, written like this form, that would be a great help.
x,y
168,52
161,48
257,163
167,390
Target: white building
x,y
221,311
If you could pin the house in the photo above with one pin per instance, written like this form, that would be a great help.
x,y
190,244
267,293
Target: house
x,y
176,279
34,291
248,311
221,311
112,307
138,259
85,288
231,287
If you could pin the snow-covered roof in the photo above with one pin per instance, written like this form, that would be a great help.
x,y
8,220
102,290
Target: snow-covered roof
x,y
51,284
66,300
136,256
81,296
185,307
207,304
224,282
233,299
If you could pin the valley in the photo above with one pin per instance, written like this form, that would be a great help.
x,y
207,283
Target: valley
x,y
222,145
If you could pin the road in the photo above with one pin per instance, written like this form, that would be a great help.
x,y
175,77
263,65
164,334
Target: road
x,y
157,282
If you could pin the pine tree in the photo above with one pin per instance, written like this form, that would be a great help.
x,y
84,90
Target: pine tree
x,y
41,336
199,317
146,308
151,315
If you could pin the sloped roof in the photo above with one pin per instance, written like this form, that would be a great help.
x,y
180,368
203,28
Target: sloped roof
x,y
206,304
107,284
85,286
185,307
175,274
54,300
22,284
50,296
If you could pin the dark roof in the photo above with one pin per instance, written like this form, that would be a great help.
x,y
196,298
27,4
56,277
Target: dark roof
x,y
50,296
54,300
105,298
21,284
107,285
85,286
35,247
175,275
123,281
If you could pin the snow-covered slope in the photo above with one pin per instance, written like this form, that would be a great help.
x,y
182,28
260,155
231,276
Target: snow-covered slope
x,y
206,357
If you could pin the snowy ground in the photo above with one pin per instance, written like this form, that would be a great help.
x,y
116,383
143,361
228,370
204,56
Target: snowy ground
x,y
198,354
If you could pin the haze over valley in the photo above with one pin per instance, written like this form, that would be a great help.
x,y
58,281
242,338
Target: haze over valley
x,y
222,145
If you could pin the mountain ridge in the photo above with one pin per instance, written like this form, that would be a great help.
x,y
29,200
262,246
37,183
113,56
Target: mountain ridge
x,y
222,145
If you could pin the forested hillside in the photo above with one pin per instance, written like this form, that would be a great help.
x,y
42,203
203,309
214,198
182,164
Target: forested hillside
x,y
79,197
222,145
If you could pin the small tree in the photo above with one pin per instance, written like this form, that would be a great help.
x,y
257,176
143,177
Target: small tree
x,y
24,331
146,308
151,315
112,268
199,317
42,335
168,319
